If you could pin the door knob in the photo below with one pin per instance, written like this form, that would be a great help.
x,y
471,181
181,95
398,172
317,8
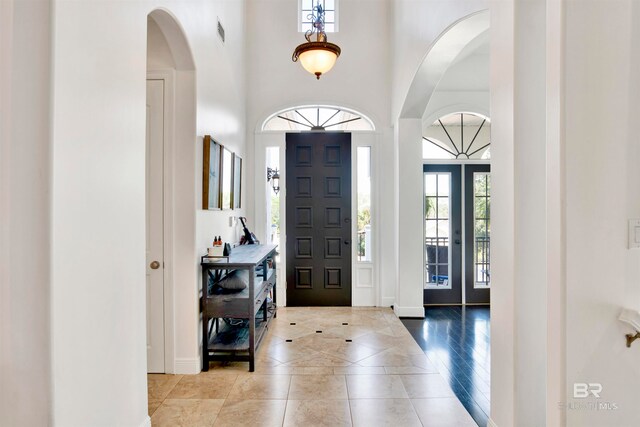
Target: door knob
x,y
457,241
154,265
346,242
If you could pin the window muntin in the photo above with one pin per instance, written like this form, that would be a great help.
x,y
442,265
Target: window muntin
x,y
458,136
318,117
330,15
481,229
364,248
437,217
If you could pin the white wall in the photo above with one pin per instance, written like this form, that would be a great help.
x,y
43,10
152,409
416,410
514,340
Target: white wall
x,y
360,79
25,209
98,196
602,191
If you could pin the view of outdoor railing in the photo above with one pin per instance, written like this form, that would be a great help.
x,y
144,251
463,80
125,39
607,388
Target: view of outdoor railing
x,y
437,260
437,266
483,261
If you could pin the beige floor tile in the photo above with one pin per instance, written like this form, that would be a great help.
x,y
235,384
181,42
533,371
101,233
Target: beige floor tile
x,y
275,370
350,331
255,386
359,370
426,386
393,357
375,387
251,413
289,351
379,341
312,387
319,341
317,413
160,385
314,370
319,359
442,412
383,413
351,352
152,405
186,413
206,385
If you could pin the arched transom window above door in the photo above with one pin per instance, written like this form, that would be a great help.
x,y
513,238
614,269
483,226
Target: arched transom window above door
x,y
319,118
462,136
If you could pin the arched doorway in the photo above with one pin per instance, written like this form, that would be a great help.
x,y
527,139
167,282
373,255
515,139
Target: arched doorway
x,y
170,81
442,142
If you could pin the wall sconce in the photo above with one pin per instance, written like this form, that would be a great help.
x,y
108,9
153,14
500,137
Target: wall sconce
x,y
274,177
631,318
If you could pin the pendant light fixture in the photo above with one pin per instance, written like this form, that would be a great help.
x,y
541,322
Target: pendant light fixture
x,y
319,56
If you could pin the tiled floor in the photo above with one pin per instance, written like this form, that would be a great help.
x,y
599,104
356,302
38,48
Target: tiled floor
x,y
363,369
456,340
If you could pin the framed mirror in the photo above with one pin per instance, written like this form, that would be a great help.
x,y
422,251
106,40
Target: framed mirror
x,y
237,182
227,179
210,174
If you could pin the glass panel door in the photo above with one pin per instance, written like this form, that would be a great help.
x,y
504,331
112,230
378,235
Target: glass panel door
x,y
477,233
442,236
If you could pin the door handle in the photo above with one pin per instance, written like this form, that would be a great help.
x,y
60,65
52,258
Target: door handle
x,y
457,241
154,265
346,242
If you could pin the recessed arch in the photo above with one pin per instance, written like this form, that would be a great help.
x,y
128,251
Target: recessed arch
x,y
171,77
441,55
176,39
317,117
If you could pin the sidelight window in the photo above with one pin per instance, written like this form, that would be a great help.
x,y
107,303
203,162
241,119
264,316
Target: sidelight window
x,y
364,203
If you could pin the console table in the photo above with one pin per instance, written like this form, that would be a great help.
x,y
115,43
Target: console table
x,y
252,308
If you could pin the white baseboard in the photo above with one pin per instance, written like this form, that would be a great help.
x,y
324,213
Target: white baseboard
x,y
387,301
490,423
146,422
409,311
188,366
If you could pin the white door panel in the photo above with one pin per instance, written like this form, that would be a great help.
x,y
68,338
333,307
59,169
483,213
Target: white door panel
x,y
155,226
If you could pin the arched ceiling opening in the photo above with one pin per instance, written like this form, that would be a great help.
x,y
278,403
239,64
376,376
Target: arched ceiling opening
x,y
441,56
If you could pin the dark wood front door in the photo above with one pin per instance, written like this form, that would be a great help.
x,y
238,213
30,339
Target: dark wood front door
x,y
318,224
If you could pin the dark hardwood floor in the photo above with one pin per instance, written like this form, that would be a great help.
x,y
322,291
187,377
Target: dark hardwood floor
x,y
456,340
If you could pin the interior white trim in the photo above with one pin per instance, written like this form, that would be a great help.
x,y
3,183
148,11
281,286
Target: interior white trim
x,y
146,422
386,301
187,366
409,311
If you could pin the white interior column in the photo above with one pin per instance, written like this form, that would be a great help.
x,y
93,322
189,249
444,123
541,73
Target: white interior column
x,y
526,151
25,213
410,276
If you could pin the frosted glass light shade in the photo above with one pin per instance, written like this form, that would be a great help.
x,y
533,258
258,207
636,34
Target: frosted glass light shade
x,y
317,57
318,61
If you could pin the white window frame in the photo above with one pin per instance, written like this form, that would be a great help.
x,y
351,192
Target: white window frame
x,y
336,18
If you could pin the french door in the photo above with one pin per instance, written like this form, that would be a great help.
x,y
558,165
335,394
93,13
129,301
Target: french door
x,y
457,234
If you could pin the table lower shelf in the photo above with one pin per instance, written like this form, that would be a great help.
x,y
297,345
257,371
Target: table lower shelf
x,y
232,343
